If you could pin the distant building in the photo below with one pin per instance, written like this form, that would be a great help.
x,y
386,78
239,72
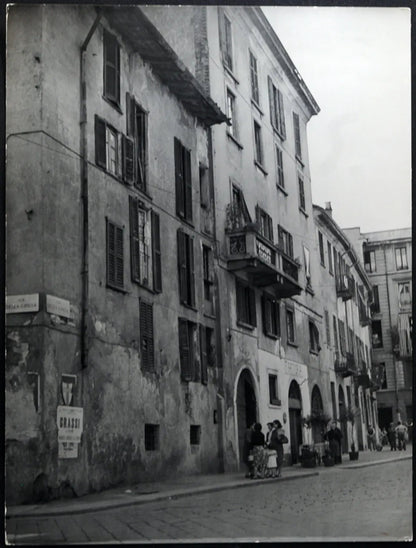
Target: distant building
x,y
345,291
387,257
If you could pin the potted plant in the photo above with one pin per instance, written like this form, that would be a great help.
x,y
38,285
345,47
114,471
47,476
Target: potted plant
x,y
349,416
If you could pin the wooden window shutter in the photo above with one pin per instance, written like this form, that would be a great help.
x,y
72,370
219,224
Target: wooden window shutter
x,y
191,271
128,159
282,123
111,67
290,245
182,272
221,32
266,314
297,135
146,336
277,312
257,211
239,301
134,240
271,102
252,304
184,350
203,354
179,179
100,145
130,115
111,246
119,257
157,256
141,146
270,223
188,184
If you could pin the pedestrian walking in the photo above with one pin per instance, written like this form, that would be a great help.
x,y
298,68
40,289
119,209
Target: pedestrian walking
x,y
260,457
334,437
277,439
391,434
371,436
271,469
247,454
401,431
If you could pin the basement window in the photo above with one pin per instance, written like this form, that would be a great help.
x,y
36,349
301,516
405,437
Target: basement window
x,y
151,437
195,434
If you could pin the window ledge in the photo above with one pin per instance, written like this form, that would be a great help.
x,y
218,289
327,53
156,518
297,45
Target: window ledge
x,y
146,287
275,403
186,221
257,106
189,306
116,106
230,73
246,325
118,289
272,336
277,132
236,141
314,352
300,160
290,343
303,212
261,168
309,289
282,189
142,192
323,265
210,316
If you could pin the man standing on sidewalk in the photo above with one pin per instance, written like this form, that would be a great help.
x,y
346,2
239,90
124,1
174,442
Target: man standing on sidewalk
x,y
401,431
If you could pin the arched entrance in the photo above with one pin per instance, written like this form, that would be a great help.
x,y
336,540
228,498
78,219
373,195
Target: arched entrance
x,y
295,420
246,407
317,409
341,411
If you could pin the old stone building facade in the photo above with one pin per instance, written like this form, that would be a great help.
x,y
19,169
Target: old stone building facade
x,y
387,258
164,288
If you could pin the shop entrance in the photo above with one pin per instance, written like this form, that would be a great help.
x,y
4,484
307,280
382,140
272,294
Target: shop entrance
x,y
246,408
295,420
317,409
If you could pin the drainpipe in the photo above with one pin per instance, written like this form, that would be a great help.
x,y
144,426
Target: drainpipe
x,y
396,392
84,193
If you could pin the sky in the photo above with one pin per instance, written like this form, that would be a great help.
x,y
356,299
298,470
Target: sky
x,y
356,63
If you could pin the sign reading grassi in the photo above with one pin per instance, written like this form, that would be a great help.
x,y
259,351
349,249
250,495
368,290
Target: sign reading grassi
x,y
70,423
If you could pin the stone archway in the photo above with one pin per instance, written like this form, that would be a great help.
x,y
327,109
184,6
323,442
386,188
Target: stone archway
x,y
317,407
295,420
344,427
246,408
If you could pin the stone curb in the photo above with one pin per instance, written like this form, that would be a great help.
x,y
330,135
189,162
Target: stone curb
x,y
173,494
87,507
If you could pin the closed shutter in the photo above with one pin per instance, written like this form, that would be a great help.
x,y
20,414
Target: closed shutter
x,y
134,240
157,256
239,301
130,115
270,224
271,102
280,237
111,67
188,184
297,135
115,255
277,309
128,159
179,179
221,32
146,336
191,267
282,123
290,245
141,145
184,350
328,331
252,305
334,322
266,314
182,271
100,142
203,354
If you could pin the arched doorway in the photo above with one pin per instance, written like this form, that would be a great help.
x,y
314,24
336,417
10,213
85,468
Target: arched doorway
x,y
317,409
341,411
246,407
295,420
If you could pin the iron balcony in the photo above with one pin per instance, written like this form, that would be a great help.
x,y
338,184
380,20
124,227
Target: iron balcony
x,y
345,287
345,366
265,263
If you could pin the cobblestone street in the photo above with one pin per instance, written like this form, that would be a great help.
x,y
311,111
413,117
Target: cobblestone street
x,y
373,503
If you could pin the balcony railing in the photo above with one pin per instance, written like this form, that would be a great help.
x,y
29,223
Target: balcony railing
x,y
264,262
345,365
345,287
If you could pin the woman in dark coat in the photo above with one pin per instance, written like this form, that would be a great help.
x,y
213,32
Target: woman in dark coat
x,y
334,436
259,455
276,444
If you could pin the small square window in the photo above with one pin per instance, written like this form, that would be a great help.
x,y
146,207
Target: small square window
x,y
195,434
151,437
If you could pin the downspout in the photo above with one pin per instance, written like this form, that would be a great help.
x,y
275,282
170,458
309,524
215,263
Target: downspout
x,y
84,194
394,359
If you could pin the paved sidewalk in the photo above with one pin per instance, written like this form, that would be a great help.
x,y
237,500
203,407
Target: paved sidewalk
x,y
186,486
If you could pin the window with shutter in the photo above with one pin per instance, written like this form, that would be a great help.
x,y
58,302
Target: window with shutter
x,y
321,248
327,327
115,256
313,338
203,354
225,39
207,272
334,323
111,68
273,390
285,241
254,78
280,173
330,264
146,336
186,268
265,223
134,240
277,116
258,146
246,304
142,244
231,114
187,350
302,203
100,142
341,330
271,316
156,253
128,160
296,128
290,325
183,181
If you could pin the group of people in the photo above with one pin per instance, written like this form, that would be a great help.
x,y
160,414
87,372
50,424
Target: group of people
x,y
264,454
395,435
